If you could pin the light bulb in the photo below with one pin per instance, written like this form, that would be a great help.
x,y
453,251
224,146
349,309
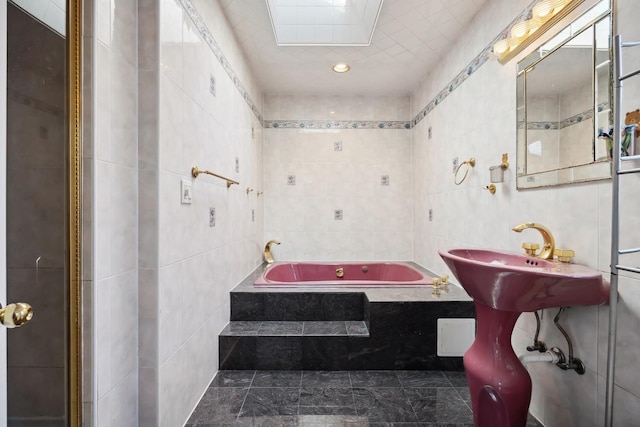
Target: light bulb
x,y
519,30
501,47
543,8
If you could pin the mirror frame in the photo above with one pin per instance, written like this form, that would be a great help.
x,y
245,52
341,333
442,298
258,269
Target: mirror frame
x,y
594,171
74,259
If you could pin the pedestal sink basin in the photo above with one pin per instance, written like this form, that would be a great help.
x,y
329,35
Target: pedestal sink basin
x,y
503,285
514,282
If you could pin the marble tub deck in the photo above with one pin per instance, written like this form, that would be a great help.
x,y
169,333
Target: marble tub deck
x,y
336,399
338,328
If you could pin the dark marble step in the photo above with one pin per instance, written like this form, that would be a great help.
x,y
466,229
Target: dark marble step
x,y
296,329
288,345
297,306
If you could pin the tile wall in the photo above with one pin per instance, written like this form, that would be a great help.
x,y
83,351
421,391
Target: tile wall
x,y
191,114
338,178
113,161
579,216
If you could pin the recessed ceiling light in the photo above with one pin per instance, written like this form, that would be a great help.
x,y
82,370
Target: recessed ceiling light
x,y
341,68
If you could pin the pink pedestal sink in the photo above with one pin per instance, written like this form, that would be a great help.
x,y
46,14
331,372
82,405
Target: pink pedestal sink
x,y
503,285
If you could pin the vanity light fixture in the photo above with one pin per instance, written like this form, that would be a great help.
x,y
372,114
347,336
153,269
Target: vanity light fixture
x,y
544,15
341,68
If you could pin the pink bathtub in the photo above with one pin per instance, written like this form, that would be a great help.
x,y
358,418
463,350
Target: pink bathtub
x,y
366,274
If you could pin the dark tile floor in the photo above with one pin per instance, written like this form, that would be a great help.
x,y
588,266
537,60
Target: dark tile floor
x,y
336,399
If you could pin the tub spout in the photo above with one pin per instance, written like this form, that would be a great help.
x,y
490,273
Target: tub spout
x,y
267,251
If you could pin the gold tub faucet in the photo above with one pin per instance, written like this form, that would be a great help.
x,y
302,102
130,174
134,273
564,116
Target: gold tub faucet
x,y
267,251
549,242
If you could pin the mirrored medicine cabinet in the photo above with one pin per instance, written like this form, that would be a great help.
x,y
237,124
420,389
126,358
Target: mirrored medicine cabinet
x,y
564,99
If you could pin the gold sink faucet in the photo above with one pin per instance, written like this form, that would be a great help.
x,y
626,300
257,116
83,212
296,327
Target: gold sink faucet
x,y
267,251
549,242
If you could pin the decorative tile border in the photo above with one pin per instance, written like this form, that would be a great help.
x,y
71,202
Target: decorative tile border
x,y
335,124
569,121
585,115
197,20
540,125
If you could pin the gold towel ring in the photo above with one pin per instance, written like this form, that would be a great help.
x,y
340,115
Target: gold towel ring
x,y
470,163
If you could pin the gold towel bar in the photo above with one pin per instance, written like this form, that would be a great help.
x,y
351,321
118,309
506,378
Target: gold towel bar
x,y
195,172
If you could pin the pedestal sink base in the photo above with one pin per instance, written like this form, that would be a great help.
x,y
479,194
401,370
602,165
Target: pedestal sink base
x,y
500,385
503,285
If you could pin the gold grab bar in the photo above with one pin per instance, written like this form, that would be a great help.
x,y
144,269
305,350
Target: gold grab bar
x,y
195,172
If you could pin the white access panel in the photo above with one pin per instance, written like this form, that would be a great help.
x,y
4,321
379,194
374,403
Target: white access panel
x,y
455,336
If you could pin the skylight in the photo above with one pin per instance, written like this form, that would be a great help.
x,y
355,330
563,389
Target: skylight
x,y
323,22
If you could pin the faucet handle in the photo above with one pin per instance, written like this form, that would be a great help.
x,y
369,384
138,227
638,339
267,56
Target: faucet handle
x,y
530,248
436,286
564,255
444,282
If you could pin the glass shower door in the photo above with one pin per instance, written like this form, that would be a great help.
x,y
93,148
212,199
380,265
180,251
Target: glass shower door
x,y
36,206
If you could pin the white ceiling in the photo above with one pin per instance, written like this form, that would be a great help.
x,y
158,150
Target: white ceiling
x,y
410,37
323,22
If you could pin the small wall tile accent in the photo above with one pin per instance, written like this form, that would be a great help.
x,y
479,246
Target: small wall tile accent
x,y
337,215
384,180
337,146
291,180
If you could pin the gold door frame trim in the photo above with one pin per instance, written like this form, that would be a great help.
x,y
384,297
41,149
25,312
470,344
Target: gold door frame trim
x,y
74,105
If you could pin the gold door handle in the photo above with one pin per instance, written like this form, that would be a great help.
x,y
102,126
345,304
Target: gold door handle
x,y
16,314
